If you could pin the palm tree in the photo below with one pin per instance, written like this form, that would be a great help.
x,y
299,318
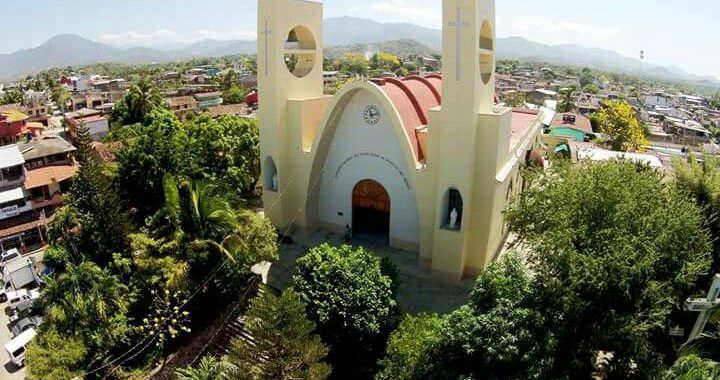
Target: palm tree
x,y
567,103
87,301
142,98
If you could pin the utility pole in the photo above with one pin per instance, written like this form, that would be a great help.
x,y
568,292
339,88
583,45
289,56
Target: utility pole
x,y
703,305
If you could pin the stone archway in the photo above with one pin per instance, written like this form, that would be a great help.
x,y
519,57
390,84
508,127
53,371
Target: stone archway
x,y
371,210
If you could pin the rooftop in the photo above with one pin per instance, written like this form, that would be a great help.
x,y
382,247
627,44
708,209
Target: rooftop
x,y
44,146
47,175
10,156
12,195
581,122
14,115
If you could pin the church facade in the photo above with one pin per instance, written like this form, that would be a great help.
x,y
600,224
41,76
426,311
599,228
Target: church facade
x,y
426,162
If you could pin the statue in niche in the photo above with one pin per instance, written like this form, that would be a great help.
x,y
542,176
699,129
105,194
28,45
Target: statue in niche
x,y
453,219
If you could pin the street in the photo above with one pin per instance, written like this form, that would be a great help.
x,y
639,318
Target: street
x,y
9,371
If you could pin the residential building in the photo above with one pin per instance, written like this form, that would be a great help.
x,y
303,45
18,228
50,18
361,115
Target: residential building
x,y
182,105
209,99
97,124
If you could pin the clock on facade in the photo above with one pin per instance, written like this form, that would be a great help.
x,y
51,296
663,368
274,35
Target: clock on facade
x,y
371,114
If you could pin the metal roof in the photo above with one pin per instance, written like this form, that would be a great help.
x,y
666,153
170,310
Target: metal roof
x,y
11,195
10,156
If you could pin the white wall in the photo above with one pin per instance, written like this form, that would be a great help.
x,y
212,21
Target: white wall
x,y
98,129
360,151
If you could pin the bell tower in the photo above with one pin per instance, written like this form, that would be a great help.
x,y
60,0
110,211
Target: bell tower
x,y
468,133
290,86
468,56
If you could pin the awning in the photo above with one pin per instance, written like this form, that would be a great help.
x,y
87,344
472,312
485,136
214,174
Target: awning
x,y
12,195
562,148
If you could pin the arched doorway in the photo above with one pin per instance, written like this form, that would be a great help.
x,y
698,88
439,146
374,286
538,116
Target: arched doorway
x,y
371,210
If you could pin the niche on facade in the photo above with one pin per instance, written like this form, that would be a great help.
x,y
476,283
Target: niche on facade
x,y
452,210
270,175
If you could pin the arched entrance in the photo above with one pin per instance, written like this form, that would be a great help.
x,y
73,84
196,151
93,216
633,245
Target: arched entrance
x,y
371,210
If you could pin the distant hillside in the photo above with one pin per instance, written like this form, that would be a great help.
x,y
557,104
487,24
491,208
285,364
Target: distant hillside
x,y
401,48
342,34
341,31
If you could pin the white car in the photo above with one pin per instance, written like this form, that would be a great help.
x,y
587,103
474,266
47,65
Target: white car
x,y
8,256
16,347
15,297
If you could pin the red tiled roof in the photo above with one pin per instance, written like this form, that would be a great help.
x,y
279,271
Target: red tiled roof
x,y
48,174
413,97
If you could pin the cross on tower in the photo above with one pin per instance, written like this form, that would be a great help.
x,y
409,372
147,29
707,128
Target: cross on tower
x,y
266,33
458,24
703,305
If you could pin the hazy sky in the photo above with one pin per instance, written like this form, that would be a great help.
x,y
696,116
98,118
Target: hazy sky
x,y
672,32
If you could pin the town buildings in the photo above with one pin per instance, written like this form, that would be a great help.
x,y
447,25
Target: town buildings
x,y
34,174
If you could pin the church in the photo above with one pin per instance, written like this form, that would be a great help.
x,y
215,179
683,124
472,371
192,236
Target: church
x,y
426,163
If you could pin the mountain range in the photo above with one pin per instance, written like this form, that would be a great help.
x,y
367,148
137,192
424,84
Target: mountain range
x,y
342,34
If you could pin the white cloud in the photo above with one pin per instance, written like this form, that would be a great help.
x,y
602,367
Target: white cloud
x,y
166,36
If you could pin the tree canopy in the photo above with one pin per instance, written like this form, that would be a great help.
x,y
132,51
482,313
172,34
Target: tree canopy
x,y
616,251
284,346
617,120
352,302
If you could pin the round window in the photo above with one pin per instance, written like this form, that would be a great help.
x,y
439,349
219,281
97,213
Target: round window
x,y
487,52
300,51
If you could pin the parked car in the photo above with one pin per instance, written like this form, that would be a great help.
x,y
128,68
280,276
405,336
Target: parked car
x,y
15,297
25,324
16,347
7,256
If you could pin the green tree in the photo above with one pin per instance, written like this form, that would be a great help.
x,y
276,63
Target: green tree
x,y
693,368
567,100
715,101
517,99
283,345
225,149
201,226
353,64
89,303
408,347
382,62
60,96
499,334
141,100
616,251
591,88
617,120
351,301
12,96
94,209
159,149
54,356
234,95
701,179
